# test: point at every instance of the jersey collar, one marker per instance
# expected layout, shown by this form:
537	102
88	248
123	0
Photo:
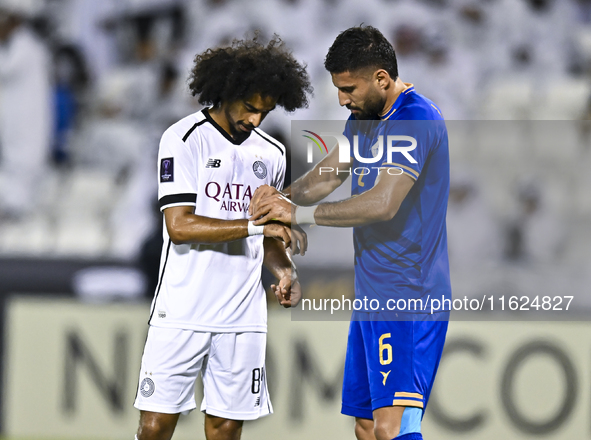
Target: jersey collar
409	88
223	132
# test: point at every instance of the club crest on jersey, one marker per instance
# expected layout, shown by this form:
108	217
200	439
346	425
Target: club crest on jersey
260	169
147	387
167	169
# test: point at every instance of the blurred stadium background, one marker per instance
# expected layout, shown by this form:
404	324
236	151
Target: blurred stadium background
88	86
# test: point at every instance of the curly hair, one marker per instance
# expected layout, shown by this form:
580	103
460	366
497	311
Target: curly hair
361	47
247	67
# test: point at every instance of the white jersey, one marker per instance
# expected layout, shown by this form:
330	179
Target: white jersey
213	287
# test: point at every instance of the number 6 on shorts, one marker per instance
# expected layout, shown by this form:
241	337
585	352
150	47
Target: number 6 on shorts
385	347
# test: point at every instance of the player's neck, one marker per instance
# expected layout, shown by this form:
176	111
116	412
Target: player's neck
218	115
398	86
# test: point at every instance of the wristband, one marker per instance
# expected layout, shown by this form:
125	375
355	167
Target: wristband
305	215
255	230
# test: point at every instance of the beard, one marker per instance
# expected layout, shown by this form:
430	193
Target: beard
235	132
372	107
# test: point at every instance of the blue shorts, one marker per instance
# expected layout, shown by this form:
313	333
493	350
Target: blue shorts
390	363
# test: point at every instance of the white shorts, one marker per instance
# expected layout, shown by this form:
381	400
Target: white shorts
231	364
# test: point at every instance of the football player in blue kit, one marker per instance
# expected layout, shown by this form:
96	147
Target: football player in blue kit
397	211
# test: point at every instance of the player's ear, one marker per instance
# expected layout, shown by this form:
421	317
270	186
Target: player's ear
382	77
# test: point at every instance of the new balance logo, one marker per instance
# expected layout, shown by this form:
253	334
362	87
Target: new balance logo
213	163
258	402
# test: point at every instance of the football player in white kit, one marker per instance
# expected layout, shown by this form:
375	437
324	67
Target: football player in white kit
209	313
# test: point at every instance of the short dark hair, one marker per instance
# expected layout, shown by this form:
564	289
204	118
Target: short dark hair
361	47
248	67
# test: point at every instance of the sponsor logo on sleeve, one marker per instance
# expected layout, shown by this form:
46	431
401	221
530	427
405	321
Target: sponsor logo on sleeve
167	169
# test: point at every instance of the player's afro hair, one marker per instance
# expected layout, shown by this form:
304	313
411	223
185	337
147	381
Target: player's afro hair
359	48
247	67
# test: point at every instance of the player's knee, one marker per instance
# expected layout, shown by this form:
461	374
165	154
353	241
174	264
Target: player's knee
363	429
154	431
386	430
156	428
218	427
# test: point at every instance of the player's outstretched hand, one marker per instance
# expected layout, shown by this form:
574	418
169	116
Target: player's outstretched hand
288	292
278	231
299	240
260	193
275	207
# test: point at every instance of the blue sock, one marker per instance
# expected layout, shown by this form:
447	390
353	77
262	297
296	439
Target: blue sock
411	436
410	422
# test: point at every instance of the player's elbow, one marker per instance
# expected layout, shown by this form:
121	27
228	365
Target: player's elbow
177	235
386	212
179	221
385	215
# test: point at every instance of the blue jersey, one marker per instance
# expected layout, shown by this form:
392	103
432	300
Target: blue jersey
405	257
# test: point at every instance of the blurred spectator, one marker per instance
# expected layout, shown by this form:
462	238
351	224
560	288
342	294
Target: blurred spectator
408	40
109	138
71	81
533	49
443	63
148	35
25	108
473	236
583	11
478	30
119	148
535	234
406	29
172	100
581	29
80	23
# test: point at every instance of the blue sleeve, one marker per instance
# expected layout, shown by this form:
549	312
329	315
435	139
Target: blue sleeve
348	133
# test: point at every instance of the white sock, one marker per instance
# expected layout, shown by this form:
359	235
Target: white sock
136	437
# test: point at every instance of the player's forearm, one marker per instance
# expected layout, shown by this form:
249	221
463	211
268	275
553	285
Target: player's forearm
326	176
277	259
380	203
196	229
313	187
358	211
